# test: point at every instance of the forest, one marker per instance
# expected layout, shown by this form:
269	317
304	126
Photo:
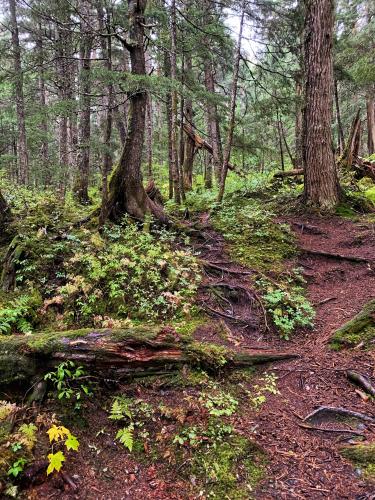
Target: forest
187	249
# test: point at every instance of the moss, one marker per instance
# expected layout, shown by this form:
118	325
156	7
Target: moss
362	456
231	469
187	328
360	329
208	354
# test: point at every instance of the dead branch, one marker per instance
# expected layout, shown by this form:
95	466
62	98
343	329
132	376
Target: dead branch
338	256
329	411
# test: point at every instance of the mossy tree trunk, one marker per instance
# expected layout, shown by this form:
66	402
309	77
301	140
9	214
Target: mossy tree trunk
126	190
117	354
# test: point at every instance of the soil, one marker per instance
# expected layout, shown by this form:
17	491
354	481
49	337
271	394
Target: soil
302	463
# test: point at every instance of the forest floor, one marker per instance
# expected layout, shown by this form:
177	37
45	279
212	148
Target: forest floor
301	463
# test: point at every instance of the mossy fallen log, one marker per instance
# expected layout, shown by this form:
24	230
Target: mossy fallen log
359	331
117	354
363	457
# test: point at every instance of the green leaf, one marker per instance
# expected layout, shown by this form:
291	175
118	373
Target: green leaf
72	443
55	461
125	436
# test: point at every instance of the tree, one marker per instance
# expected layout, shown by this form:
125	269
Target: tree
23	157
126	191
232	111
321	182
84	131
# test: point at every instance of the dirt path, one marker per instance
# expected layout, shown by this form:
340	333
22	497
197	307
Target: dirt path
305	463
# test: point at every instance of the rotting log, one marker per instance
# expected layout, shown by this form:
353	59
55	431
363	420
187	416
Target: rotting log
361	381
118	354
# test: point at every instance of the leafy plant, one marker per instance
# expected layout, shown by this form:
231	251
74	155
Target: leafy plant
17	467
258	394
60	436
217	402
288	306
17	314
68	381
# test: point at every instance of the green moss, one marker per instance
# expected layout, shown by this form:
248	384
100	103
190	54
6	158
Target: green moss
231	469
208	354
187	328
361	329
362	456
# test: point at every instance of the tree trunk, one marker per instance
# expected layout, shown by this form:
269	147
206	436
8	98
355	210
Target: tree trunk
104	19
5	215
149	137
189	143
81	184
232	113
280	140
118	354
321	182
213	127
370	106
22	154
340	132
43	108
174	99
126	191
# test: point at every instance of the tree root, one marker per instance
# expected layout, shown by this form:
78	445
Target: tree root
338	256
324	412
362	381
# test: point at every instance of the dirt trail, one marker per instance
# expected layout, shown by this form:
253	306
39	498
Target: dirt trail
305	463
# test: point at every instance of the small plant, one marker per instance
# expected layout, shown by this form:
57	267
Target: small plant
258	397
288	306
68	381
60	436
17	315
17	467
135	413
217	402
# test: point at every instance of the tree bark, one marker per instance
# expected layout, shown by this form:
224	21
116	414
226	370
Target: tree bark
81	184
321	181
370	107
189	143
232	113
118	354
298	122
22	153
126	191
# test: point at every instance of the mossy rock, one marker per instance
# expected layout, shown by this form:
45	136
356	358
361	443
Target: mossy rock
232	469
362	456
360	329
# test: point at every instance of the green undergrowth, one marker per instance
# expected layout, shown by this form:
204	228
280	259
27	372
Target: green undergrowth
363	457
86	278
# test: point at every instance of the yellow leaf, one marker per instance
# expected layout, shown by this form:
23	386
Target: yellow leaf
56	433
55	461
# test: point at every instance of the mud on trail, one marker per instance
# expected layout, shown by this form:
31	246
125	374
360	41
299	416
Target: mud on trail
303	459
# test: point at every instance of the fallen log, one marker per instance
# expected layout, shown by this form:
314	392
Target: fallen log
289	173
118	354
327	413
362	381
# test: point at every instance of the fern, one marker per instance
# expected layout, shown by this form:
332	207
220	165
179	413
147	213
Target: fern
126	436
15	315
120	409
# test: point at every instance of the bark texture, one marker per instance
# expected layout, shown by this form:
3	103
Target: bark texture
321	182
370	107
